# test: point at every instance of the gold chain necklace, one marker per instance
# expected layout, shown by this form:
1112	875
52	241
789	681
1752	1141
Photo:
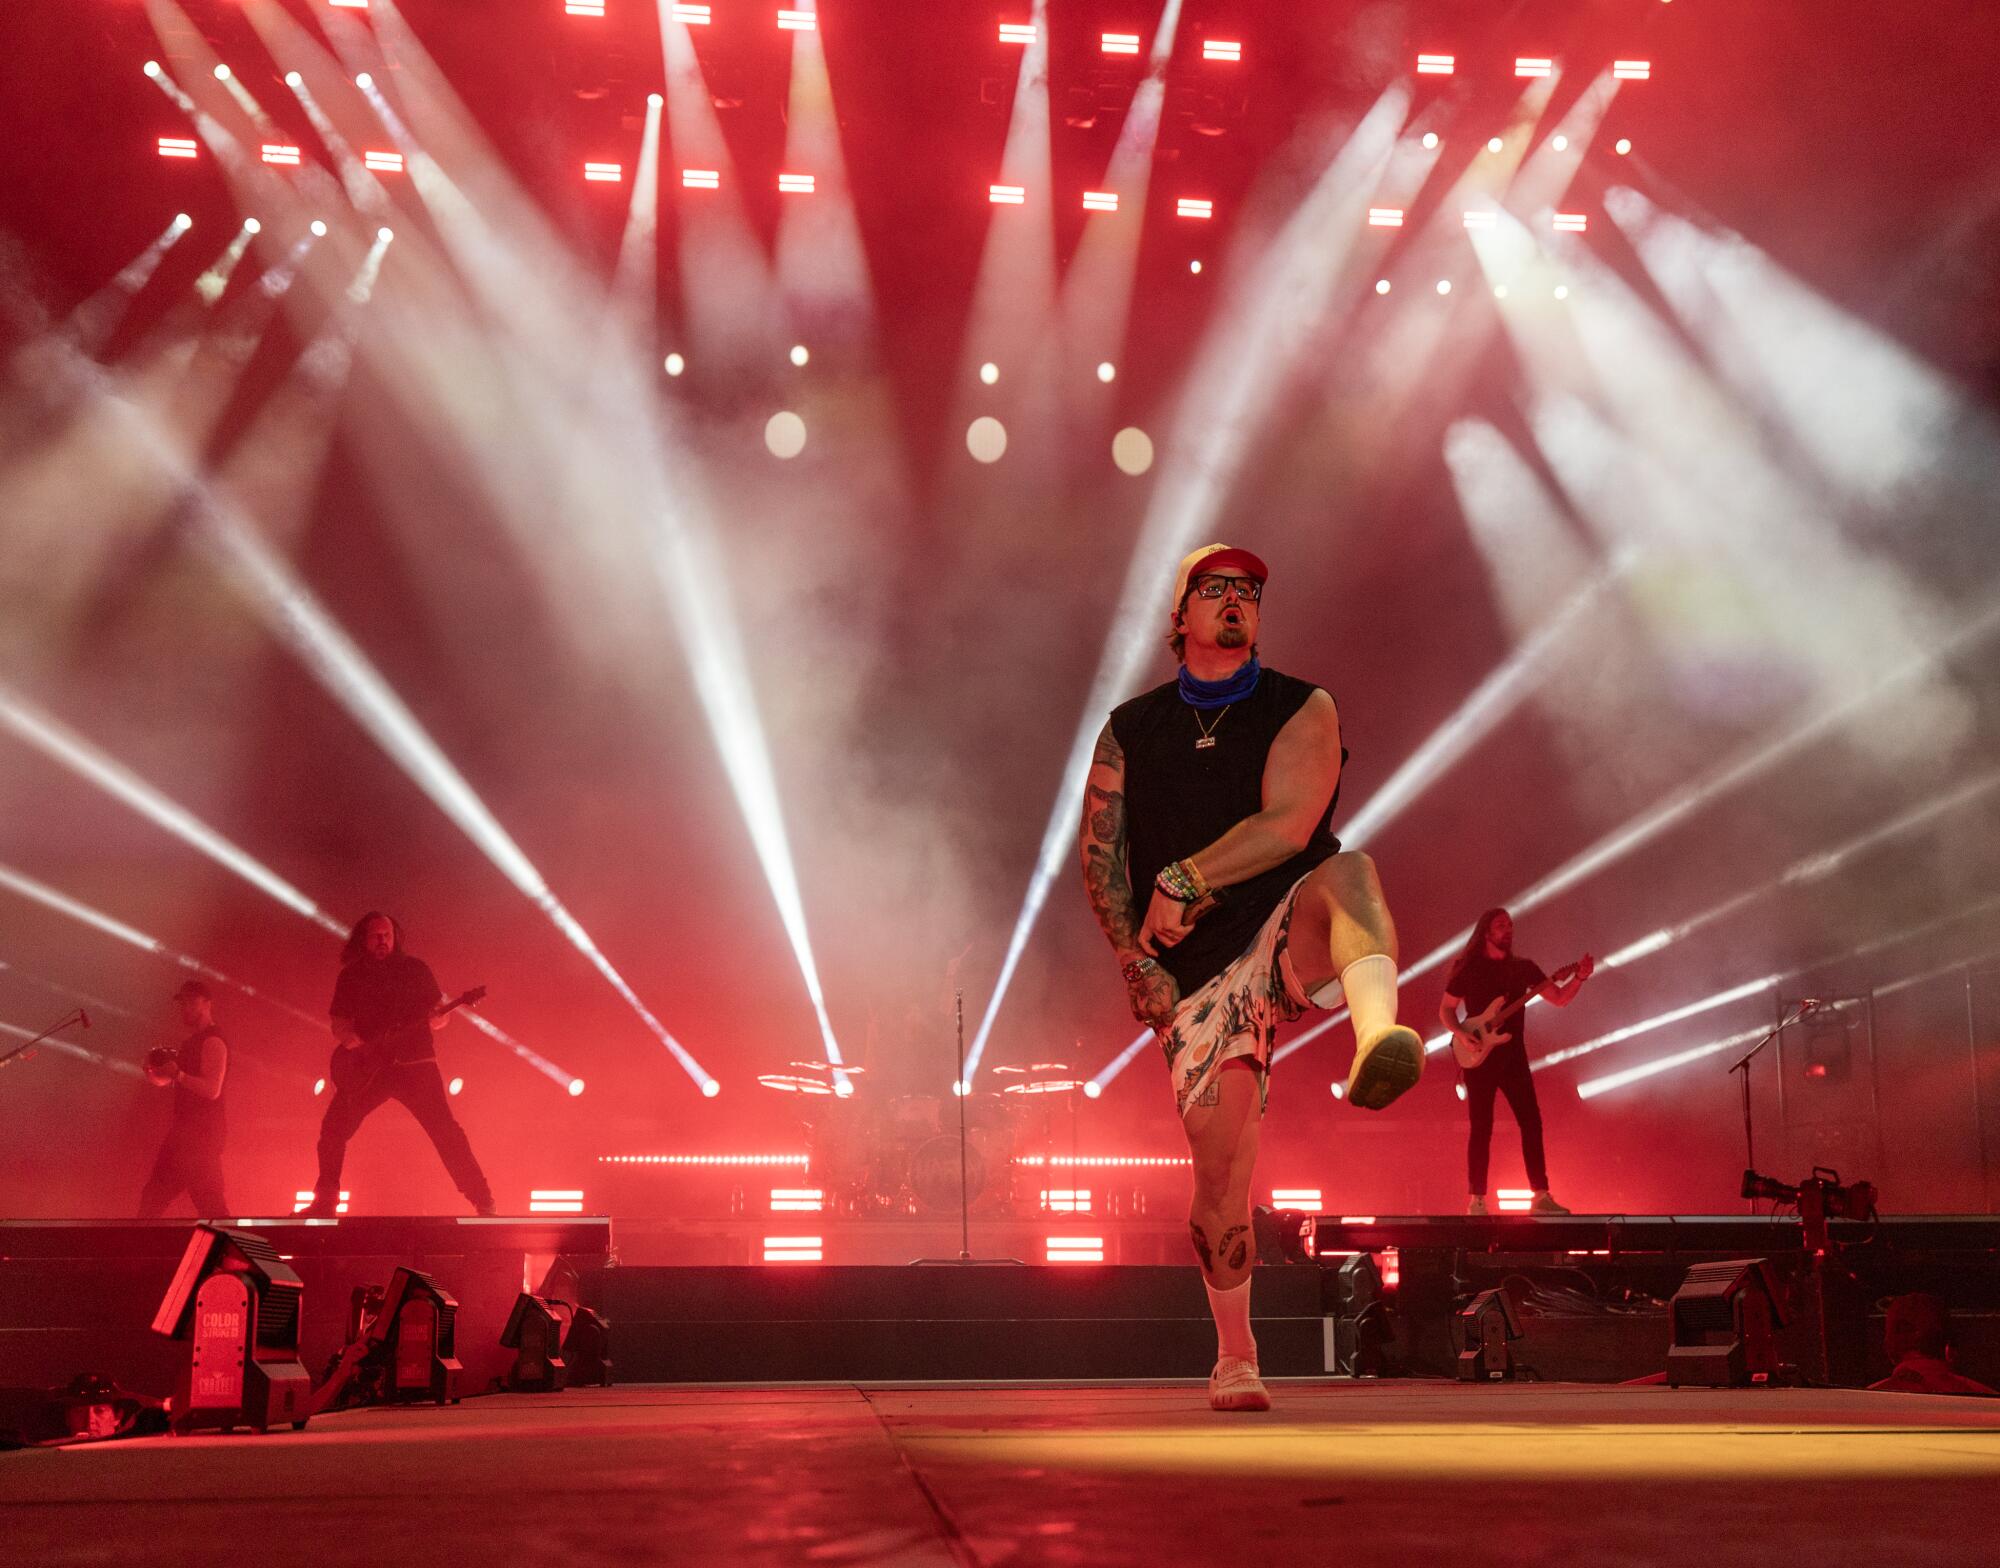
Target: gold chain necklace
1208	730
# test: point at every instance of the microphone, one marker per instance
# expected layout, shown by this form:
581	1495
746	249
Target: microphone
1810	1004
83	1018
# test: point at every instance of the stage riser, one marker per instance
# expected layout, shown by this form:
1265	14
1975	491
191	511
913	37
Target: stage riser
819	1323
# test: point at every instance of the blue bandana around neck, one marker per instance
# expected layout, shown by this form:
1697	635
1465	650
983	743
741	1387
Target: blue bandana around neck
1220	694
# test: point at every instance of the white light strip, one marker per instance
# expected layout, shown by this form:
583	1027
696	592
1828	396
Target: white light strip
1632	70
1385	217
1017	32
604	173
1218	49
1100	201
1194	207
709	1161
1007	195
1436	64
1121	43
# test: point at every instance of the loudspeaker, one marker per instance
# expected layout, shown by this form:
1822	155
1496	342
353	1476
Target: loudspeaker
237	1305
1725	1319
534	1332
1486	1328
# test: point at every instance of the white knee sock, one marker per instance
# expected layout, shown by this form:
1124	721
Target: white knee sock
1370	984
1232	1320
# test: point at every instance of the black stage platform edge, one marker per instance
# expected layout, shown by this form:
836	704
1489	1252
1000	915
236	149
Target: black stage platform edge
79	1296
1747	1234
819	1323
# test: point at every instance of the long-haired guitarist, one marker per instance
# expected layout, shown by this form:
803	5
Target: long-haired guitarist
1493	985
385	1009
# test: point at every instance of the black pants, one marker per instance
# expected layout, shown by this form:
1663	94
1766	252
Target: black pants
1504	1072
420	1087
191	1164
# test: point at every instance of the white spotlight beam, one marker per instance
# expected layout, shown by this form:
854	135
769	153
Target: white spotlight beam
822	264
1240	371
69	993
65	746
93	321
298	620
49	898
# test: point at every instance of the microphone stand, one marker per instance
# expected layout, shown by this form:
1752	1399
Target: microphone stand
961	1090
1743	1066
26	1048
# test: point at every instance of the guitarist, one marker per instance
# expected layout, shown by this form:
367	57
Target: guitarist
1486	972
385	1004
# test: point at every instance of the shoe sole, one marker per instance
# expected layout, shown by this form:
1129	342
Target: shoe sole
1386	1070
1242	1399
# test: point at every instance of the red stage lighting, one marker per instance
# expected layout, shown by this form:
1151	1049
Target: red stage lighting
701	179
1074	1249
604	173
1217	49
1017	32
1385	217
793	1249
1194	207
1632	70
1121	43
1527	65
177	147
1571	222
1436	64
1007	195
797	22
796	184
383	162
275	153
555	1200
1100	201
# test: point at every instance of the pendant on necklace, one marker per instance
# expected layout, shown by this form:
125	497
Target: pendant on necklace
1204	743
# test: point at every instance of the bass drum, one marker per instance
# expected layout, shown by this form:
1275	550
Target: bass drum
934	1175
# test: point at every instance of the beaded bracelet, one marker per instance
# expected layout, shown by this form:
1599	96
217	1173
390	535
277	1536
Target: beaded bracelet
1182	881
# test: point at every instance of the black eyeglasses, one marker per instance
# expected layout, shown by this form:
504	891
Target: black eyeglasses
1215	587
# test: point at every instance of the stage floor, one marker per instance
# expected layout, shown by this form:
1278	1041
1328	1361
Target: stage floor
1405	1472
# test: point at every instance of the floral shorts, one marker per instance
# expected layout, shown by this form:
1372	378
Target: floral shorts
1238	1013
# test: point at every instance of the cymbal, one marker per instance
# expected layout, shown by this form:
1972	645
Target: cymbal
1044	1086
789	1083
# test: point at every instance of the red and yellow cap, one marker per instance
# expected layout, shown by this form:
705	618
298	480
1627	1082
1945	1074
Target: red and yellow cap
1213	558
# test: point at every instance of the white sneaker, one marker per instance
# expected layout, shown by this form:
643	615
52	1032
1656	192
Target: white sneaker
1385	1067
1235	1385
1475	1207
1544	1204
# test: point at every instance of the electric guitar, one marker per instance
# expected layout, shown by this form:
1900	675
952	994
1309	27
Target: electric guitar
1483	1032
354	1069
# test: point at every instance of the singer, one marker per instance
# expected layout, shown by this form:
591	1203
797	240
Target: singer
191	1158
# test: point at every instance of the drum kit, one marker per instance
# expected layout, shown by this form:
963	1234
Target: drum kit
880	1156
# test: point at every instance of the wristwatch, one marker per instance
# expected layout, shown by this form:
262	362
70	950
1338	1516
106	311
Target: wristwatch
1137	967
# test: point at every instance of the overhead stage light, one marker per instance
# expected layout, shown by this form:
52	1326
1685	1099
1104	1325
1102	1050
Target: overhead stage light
349	5
1623	147
674	364
1382	285
656	101
692	15
796	184
1017	32
1560	143
785	435
222	72
456	1086
183	222
383	162
1444	285
1571	222
989	372
799	355
1436	64
1632	70
701	179
385	235
1430	141
152	69
1195	268
1194	207
604	173
294	79
1121	43
986	439
1562	291
1528	65
252	226
584	7
1482	218
365	82
1494	144
710	1089
1218	49
575	1087
177	147
1106	371
797	22
1132	452
318	229
1007	195
1385	217
275	152
1100	201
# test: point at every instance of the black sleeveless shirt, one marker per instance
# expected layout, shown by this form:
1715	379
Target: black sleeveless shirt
1180	799
195	1115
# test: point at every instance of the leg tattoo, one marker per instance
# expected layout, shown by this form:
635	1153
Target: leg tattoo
1200	1239
1235	1257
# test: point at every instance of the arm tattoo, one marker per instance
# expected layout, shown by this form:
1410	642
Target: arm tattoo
1106	874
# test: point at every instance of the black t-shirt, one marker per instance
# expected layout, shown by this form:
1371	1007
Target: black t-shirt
1481	979
389	997
1180	799
196	1115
